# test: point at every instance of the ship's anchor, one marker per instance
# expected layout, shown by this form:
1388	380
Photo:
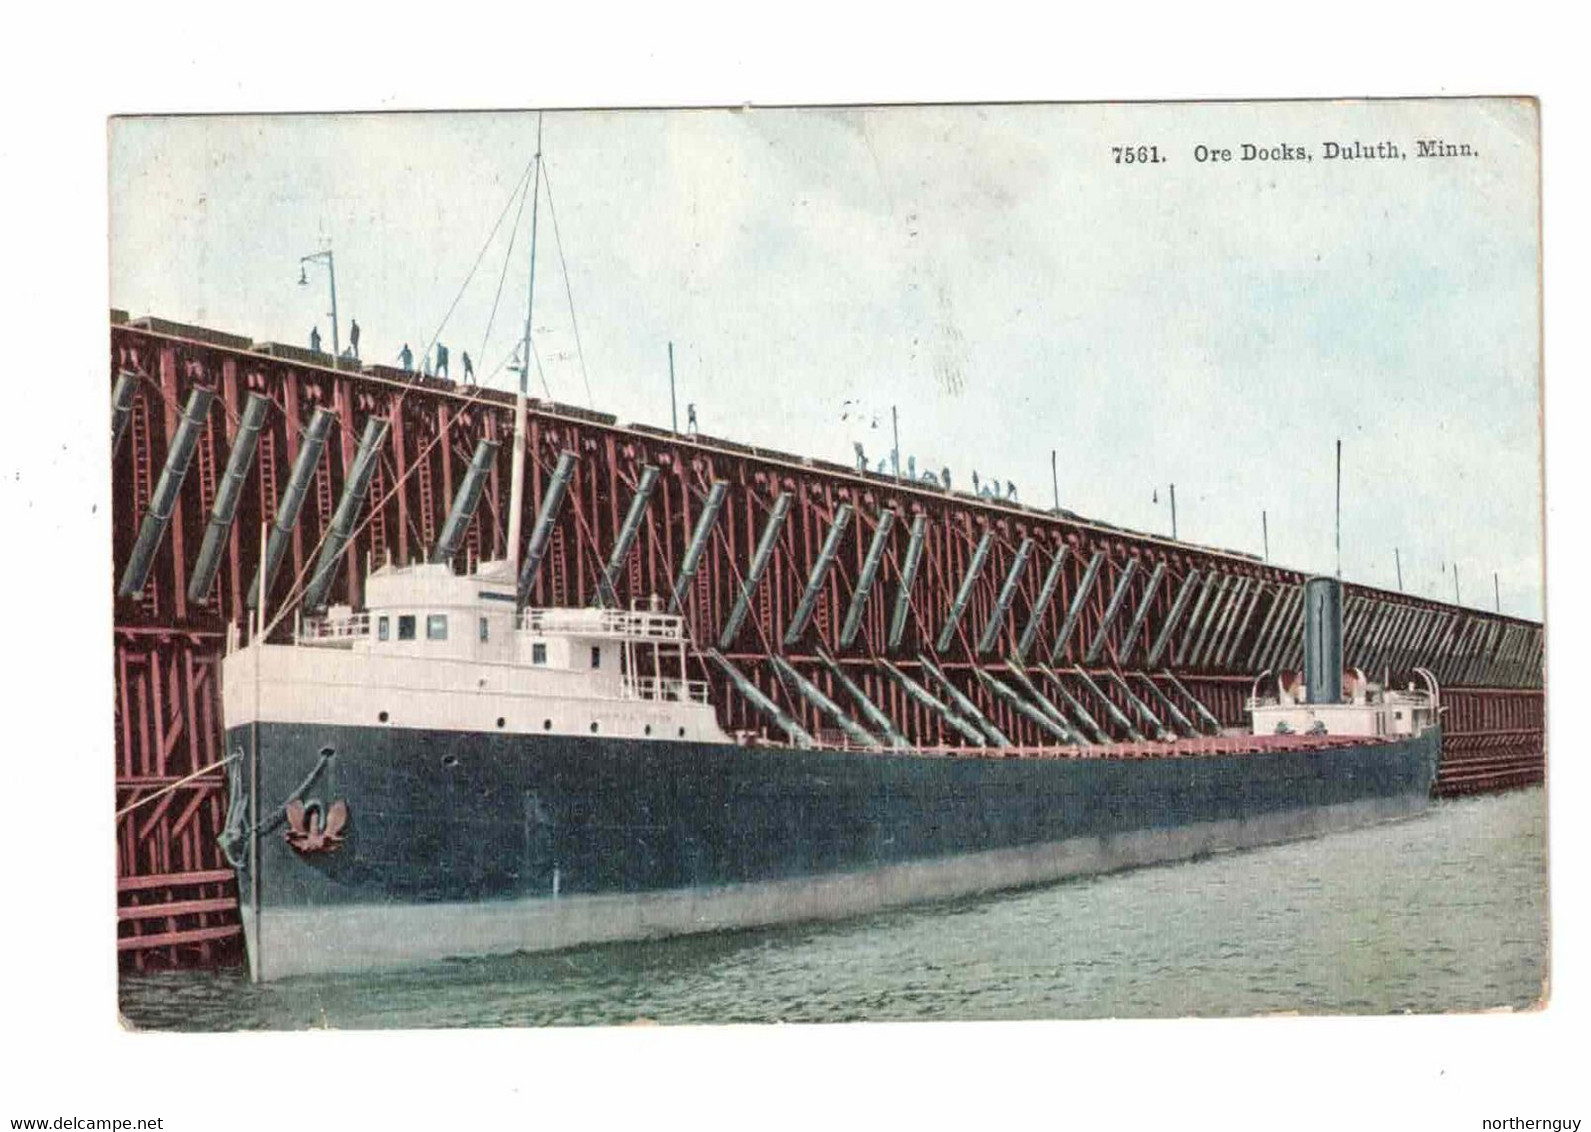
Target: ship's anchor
311	829
324	835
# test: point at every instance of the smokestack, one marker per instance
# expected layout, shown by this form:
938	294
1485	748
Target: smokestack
1323	640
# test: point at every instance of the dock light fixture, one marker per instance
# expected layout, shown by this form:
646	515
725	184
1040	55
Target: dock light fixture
331	270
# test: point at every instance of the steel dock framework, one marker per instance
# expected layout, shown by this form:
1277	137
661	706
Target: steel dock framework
829	604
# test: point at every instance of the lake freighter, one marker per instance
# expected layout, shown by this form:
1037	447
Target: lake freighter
445	774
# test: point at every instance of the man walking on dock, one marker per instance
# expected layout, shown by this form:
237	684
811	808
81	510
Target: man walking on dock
469	368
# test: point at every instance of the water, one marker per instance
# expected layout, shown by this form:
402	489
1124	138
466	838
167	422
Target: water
1447	911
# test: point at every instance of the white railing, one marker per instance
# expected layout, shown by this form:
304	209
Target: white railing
630	624
666	688
341	630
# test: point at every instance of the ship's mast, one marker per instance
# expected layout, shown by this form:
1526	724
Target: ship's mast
516	497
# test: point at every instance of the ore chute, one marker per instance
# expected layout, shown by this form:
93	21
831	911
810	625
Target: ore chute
1178	604
1129	640
1202	622
607	591
1170	707
1036	614
1195	616
1007	594
755	695
227	495
923	696
1222	625
1281	633
874	715
698	545
1118	717
759	563
1235	638
1212	725
1045	704
1075	610
1112	608
465	501
818	699
964	704
820	571
908	574
1145	712
347	513
1272	615
546	519
169	487
1004	692
292	502
865	580
964	592
1081	712
121	400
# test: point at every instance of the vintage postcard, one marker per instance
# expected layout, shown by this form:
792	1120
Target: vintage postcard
813	564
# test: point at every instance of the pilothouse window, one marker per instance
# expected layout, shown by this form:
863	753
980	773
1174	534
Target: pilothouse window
406	627
436	627
486	629
596	656
538	653
383	628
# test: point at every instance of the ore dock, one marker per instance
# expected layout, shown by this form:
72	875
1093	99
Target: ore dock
865	586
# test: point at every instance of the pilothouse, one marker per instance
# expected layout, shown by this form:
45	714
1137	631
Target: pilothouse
434	647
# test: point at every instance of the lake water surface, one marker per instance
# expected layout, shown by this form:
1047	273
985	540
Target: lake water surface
1447	911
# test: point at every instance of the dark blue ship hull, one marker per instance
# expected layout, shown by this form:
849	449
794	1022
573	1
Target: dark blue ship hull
468	843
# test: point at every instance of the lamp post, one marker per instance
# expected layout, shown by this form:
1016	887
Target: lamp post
673	402
331	270
894	454
1339	508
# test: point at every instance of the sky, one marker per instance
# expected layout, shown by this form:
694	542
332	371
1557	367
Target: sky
990	273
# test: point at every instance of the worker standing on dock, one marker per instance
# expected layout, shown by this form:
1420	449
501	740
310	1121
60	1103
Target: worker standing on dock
469	368
353	337
314	339
441	360
406	358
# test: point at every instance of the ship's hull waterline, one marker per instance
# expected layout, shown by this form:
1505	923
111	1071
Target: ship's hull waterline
463	843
